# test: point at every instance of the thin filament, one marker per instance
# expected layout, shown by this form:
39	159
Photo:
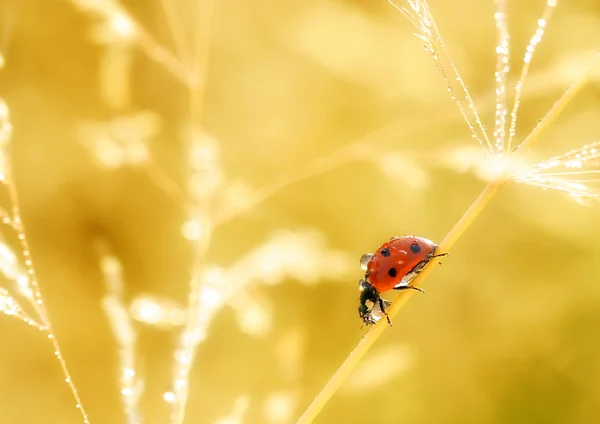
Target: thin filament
502	70
535	40
420	15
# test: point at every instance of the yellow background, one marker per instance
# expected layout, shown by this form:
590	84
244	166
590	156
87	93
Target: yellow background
508	329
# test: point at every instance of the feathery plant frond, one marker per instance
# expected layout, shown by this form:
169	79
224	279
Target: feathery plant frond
535	40
502	70
419	14
300	255
116	27
506	160
124	332
576	173
20	271
10	306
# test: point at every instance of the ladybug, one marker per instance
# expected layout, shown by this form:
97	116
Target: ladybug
392	267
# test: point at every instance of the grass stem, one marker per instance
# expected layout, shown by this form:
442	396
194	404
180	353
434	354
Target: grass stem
367	341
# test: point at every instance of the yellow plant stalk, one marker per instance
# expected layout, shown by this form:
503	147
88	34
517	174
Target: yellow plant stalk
558	106
367	341
467	219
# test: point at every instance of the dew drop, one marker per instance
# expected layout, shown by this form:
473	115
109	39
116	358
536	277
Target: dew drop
365	259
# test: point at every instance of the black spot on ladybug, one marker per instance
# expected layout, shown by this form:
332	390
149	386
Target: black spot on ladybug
392	272
415	248
385	252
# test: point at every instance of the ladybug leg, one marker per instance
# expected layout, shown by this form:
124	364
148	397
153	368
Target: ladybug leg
365	314
382	307
440	256
407	287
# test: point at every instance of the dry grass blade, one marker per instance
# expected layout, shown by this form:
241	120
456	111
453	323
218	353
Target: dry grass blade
204	300
118	26
174	19
202	27
123	331
166	59
346	154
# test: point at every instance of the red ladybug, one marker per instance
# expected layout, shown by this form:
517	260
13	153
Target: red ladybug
393	266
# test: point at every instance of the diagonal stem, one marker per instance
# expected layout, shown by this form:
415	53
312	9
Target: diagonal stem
367	341
559	105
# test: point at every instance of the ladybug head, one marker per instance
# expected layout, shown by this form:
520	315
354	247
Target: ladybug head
367	293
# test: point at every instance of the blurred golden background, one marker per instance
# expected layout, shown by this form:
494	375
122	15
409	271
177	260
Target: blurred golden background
508	329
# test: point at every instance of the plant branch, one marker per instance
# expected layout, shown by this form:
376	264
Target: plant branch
37	301
559	105
367	341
